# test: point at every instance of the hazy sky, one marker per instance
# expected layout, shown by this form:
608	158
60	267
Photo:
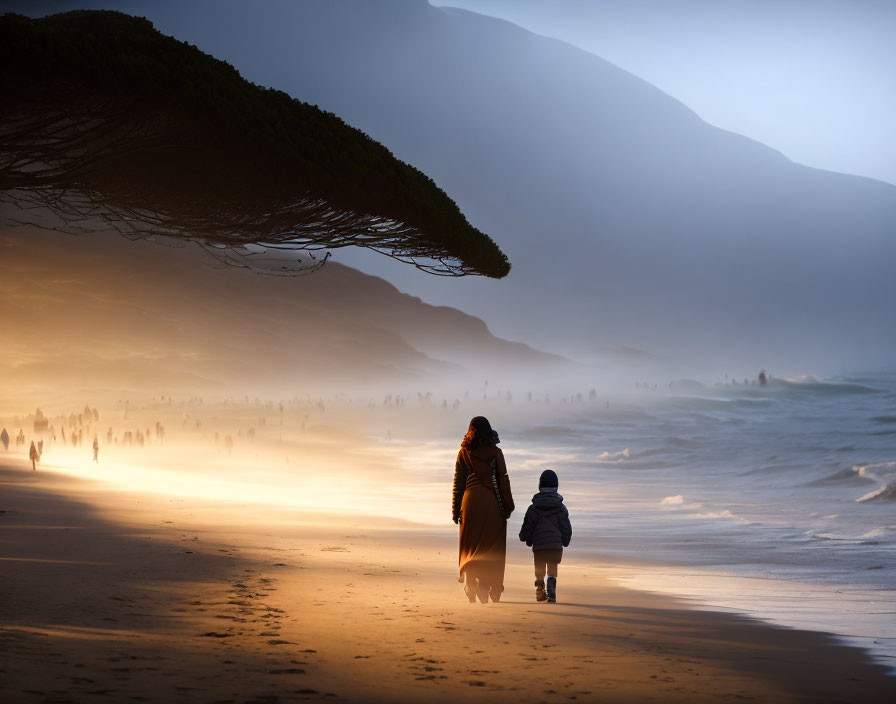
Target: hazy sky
815	79
629	221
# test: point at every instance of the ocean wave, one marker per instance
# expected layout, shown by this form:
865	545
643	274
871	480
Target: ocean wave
881	472
885	532
884	419
730	399
815	386
724	514
848	475
676	500
706	403
876	471
781	468
849	539
882	493
607	456
875	536
884	473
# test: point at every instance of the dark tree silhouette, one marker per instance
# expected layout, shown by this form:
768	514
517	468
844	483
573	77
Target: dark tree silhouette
105	123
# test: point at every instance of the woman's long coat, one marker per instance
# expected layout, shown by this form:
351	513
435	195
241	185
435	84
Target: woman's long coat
483	529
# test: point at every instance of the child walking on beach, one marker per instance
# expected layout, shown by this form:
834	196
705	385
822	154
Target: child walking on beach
546	528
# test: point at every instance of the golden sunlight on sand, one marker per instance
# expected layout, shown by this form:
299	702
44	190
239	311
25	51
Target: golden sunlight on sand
209	590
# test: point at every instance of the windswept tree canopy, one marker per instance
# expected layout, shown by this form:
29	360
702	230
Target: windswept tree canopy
108	124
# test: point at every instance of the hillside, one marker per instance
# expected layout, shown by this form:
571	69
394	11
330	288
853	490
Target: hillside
101	312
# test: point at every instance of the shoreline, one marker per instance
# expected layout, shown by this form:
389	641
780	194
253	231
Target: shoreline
201	600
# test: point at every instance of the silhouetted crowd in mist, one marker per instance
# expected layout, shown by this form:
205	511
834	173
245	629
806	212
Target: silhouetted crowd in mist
73	431
79	428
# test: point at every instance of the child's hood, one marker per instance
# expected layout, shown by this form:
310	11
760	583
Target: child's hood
545	500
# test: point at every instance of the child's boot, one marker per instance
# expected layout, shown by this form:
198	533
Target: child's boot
539	591
552	590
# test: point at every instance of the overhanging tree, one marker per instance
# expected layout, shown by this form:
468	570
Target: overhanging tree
105	123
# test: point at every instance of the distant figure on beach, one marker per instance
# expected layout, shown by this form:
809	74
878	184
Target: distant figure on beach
96	449
34	456
763	380
4	438
41	424
547	530
481	504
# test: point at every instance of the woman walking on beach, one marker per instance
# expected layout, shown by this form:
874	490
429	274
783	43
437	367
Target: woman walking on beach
481	504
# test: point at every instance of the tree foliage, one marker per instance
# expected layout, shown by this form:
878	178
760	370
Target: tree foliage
110	124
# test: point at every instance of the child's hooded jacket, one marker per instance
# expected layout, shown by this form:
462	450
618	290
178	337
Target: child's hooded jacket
546	525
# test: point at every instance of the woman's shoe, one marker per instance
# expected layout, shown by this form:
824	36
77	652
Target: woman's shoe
539	591
470	590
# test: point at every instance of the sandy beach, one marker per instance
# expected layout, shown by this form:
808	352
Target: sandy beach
122	596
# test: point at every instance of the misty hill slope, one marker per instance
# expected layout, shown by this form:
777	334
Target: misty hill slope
101	310
629	220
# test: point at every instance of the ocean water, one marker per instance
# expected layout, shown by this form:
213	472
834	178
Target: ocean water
777	501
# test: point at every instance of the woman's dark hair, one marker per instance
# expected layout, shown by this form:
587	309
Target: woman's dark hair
479	434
